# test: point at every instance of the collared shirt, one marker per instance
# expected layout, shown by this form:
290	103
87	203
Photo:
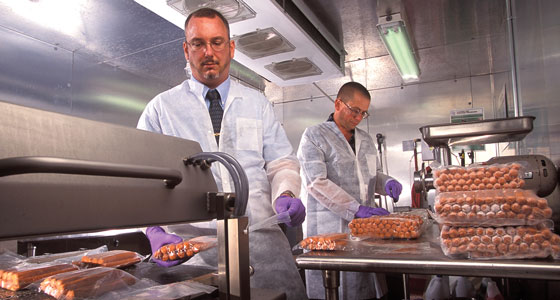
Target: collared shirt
223	89
352	141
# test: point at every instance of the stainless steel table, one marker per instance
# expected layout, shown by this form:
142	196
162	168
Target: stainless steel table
421	256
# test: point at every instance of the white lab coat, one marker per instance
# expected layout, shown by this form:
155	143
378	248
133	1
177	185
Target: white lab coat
335	182
256	139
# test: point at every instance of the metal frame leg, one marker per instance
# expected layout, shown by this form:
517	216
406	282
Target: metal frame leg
331	282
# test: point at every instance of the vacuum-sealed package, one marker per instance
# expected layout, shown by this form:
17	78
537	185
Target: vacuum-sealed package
114	259
20	276
491	208
186	248
510	242
392	226
86	283
478	177
329	242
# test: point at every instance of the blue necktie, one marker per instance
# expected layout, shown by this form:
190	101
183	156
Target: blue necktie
216	112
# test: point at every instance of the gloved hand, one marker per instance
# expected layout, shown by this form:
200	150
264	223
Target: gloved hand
158	237
295	209
393	188
366	211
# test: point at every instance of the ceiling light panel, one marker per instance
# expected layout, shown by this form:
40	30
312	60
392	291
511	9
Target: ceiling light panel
261	43
233	10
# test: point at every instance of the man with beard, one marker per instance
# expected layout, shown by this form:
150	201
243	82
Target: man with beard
222	115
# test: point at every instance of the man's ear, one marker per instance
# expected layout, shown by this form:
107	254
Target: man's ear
186	50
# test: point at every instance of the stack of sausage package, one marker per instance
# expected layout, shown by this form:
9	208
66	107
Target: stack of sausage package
487	215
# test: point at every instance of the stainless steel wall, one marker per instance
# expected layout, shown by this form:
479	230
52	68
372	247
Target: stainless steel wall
41	75
538	33
398	111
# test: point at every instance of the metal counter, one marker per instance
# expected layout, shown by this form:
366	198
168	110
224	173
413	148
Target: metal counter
424	256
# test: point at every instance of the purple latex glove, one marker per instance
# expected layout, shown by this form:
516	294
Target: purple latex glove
295	209
366	211
158	237
393	188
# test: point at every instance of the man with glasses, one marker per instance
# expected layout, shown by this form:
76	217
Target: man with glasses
223	115
338	161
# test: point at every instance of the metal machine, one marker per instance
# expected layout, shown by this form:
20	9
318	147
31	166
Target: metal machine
64	175
540	173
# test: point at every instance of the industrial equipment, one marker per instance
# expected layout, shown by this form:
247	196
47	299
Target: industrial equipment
63	175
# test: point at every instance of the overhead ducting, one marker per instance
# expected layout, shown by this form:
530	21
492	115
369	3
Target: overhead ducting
281	40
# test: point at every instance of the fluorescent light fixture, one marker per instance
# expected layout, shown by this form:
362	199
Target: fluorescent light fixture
64	16
393	33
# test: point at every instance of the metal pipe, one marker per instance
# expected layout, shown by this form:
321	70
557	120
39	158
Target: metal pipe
513	58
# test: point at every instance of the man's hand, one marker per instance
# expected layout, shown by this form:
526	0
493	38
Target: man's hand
158	238
293	206
366	212
393	188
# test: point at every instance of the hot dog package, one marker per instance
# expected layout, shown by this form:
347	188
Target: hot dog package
86	283
510	242
186	248
326	242
491	208
113	258
19	277
478	177
392	226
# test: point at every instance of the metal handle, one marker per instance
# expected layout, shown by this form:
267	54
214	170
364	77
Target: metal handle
43	164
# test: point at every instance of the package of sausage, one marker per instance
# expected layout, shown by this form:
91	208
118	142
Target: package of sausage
510	242
186	248
19	277
392	226
478	177
86	283
491	208
325	242
113	258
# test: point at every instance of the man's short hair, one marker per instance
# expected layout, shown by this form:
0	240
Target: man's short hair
346	92
207	13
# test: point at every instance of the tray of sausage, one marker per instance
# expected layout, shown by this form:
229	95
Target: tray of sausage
491	208
478	177
511	242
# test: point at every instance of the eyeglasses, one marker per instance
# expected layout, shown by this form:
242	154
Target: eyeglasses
356	111
216	44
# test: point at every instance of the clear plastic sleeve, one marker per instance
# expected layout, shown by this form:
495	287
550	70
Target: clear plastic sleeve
510	242
113	258
177	290
269	222
186	248
328	242
479	177
491	208
392	226
86	283
20	276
